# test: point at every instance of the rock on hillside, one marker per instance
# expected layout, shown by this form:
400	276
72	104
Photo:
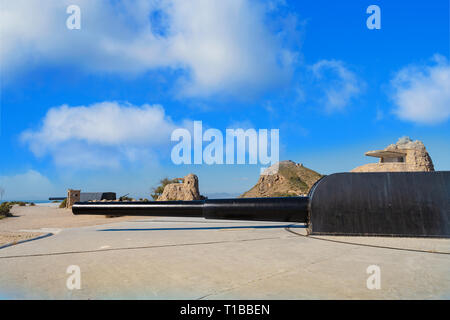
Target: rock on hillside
188	190
292	179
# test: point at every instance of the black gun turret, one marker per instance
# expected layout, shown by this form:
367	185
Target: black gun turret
382	203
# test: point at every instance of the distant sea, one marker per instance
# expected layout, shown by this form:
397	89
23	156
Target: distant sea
35	201
221	195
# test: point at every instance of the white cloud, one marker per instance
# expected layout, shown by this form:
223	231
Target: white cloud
422	93
220	46
101	135
339	85
30	185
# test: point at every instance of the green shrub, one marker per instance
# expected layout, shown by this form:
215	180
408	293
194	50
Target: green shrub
5	208
297	182
20	203
160	189
63	203
32	204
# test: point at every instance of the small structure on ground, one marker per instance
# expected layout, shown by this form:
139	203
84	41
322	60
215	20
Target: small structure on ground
77	196
187	190
97	196
405	155
72	197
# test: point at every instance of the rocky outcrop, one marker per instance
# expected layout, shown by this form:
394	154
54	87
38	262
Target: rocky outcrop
187	190
405	155
285	178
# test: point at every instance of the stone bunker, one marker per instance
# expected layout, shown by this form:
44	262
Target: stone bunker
405	155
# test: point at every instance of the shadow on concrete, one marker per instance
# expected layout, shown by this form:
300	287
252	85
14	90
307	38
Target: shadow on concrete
208	228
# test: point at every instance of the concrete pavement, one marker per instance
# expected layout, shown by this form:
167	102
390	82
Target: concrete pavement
193	258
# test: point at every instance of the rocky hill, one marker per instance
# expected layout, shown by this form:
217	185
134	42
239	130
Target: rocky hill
292	179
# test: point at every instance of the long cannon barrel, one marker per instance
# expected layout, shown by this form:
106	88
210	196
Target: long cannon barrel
291	209
140	208
370	203
56	198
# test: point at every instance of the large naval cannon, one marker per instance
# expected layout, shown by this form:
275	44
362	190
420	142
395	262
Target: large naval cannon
415	204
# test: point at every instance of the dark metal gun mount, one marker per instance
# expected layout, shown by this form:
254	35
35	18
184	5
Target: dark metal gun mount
371	203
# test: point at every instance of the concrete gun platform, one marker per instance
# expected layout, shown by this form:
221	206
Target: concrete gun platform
193	258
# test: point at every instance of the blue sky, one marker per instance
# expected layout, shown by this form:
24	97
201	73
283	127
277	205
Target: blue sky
94	108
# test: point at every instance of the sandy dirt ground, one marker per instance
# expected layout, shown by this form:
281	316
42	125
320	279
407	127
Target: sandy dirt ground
15	237
30	222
